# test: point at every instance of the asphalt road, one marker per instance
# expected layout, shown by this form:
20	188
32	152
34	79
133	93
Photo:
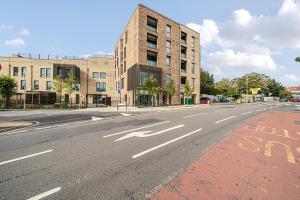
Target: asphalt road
127	157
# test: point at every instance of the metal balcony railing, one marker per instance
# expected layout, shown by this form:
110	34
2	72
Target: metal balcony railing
151	45
152	63
152	29
183	55
183	41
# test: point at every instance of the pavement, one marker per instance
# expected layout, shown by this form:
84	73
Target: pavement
128	155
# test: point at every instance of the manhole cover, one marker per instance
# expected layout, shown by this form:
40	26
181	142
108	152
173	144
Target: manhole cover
11	124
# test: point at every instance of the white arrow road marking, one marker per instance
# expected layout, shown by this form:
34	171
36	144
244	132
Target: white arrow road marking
144	133
125	114
45	194
29	156
96	118
135	129
164	144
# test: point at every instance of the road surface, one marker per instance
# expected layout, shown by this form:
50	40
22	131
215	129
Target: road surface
128	156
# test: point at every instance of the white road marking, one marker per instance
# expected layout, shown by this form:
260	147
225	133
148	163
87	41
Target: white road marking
45	194
24	157
164	144
245	113
193	115
125	114
259	110
219	110
144	133
96	118
135	129
225	119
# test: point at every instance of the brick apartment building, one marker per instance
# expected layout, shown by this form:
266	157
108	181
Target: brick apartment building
34	76
152	44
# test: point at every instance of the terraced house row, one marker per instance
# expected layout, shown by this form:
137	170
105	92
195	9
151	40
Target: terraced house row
151	44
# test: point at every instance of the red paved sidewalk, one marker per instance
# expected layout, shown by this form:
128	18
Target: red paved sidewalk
259	160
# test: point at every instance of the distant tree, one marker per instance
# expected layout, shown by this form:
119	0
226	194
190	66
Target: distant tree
226	87
207	82
8	87
171	89
152	87
285	94
70	85
252	80
297	59
58	86
275	87
187	90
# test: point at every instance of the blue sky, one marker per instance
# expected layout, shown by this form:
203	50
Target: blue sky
237	36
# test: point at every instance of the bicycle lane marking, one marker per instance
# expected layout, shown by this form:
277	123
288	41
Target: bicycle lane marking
258	160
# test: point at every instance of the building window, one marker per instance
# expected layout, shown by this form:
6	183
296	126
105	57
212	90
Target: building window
124	66
193	55
126	37
101	86
193	41
168	78
43	73
193	82
121	43
102	75
48	85
23	85
16	71
193	68
168	31
125	53
168	48
95	74
121	69
36	85
48	72
168	62
23	71
122	83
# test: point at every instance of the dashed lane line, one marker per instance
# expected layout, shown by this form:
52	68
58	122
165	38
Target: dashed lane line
194	115
164	144
45	194
24	157
225	119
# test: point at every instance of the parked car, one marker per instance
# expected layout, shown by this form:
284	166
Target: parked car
205	100
294	100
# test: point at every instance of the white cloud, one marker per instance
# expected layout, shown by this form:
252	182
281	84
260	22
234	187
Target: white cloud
292	78
4	27
242	17
14	42
249	60
209	31
24	31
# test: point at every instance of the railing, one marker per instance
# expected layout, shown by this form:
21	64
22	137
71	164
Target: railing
183	55
152	29
151	45
151	62
183	70
183	41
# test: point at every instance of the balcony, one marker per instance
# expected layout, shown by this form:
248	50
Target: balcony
183	70
183	42
183	55
152	29
151	45
152	63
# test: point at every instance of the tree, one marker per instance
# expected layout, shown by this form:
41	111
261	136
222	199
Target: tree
207	82
226	87
70	85
297	59
152	87
252	80
187	90
8	87
285	94
275	87
58	85
171	89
